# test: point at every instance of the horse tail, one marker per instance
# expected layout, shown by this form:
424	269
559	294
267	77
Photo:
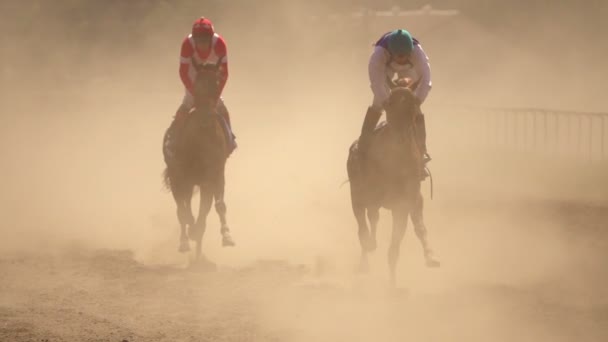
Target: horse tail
353	163
344	183
166	178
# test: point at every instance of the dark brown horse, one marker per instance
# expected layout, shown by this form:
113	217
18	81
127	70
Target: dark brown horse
389	177
198	160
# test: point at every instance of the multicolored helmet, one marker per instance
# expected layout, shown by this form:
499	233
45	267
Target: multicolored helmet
400	42
202	27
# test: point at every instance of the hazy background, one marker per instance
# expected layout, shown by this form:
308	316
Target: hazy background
88	88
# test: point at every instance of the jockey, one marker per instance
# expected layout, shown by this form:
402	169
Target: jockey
397	53
200	48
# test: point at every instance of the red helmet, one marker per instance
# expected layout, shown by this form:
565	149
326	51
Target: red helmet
202	27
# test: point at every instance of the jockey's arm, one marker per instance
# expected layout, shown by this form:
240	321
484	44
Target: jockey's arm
377	76
185	58
423	69
222	53
223	76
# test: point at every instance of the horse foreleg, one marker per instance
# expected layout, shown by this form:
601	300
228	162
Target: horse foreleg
184	244
182	195
201	220
220	208
359	209
399	227
373	215
421	232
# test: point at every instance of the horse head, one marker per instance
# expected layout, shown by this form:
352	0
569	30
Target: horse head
401	110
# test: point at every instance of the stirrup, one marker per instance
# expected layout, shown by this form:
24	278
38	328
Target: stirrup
424	174
426	158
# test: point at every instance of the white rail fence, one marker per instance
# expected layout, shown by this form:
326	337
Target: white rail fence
571	134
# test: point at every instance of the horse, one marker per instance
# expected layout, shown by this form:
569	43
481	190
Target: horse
198	160
389	176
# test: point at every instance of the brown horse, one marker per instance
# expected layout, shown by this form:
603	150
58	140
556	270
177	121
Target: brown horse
198	159
389	177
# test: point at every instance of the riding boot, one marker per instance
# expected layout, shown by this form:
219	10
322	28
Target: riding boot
372	116
227	126
421	140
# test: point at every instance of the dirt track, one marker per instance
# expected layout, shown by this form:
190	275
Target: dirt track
544	283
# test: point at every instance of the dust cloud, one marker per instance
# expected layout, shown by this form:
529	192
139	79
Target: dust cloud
89	236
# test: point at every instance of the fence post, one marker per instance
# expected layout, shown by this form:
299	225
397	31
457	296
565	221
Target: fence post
496	128
546	132
557	149
534	131
579	134
525	144
568	136
590	137
506	128
602	138
516	137
488	126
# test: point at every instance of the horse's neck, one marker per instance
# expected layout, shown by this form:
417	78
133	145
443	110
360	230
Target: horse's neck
205	121
396	143
405	131
203	137
203	109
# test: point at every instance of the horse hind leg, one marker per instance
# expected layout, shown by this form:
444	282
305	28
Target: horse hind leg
359	210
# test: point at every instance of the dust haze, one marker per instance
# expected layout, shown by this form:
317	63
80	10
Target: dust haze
89	235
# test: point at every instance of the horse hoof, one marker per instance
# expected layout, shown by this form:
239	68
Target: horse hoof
372	245
184	247
203	265
432	263
363	268
227	241
398	292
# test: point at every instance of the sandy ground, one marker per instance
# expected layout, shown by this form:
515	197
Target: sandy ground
504	278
